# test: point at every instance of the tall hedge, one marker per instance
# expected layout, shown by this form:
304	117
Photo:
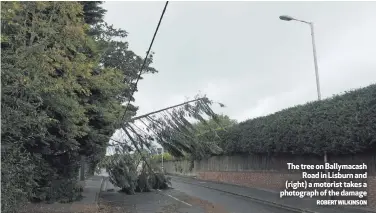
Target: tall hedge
342	124
61	95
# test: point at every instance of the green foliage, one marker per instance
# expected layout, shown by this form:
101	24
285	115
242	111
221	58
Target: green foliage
207	135
122	170
17	178
41	112
151	176
343	124
155	180
195	140
172	129
131	174
166	157
222	122
61	96
93	12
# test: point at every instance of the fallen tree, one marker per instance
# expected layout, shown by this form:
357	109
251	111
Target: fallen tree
171	129
130	173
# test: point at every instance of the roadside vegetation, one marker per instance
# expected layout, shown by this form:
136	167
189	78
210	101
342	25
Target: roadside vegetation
343	124
65	74
166	157
133	174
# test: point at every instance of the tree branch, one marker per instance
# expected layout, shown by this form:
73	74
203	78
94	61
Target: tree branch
167	108
139	151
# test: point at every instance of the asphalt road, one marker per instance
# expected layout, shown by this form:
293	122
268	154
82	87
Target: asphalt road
182	198
229	202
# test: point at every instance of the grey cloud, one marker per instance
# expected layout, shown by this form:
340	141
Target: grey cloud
241	54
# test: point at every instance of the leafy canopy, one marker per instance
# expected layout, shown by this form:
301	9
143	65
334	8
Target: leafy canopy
64	78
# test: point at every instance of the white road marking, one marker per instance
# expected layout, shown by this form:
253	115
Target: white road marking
175	198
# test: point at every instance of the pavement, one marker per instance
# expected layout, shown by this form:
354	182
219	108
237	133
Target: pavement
92	189
88	204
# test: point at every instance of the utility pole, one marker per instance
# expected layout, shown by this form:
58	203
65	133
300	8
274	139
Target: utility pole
162	160
289	18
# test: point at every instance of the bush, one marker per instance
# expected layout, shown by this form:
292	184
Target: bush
340	125
61	95
17	178
166	157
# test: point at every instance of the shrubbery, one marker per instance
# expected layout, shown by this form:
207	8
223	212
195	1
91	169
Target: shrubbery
61	95
17	178
166	157
342	124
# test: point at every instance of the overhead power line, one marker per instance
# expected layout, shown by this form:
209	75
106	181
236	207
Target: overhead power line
145	59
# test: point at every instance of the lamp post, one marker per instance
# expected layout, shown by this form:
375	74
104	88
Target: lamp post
289	18
162	160
160	152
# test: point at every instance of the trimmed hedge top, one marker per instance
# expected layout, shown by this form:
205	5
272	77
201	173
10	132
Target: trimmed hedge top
342	124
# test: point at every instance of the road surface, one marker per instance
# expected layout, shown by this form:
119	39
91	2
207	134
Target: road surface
229	202
182	198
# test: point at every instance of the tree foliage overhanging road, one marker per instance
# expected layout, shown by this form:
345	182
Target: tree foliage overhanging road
65	75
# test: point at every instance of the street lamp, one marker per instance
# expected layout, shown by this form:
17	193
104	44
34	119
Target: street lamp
162	160
286	18
289	18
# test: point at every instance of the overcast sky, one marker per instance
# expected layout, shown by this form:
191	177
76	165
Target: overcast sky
242	55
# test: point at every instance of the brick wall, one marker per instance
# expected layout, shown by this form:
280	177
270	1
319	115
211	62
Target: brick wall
266	172
256	179
272	181
372	192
